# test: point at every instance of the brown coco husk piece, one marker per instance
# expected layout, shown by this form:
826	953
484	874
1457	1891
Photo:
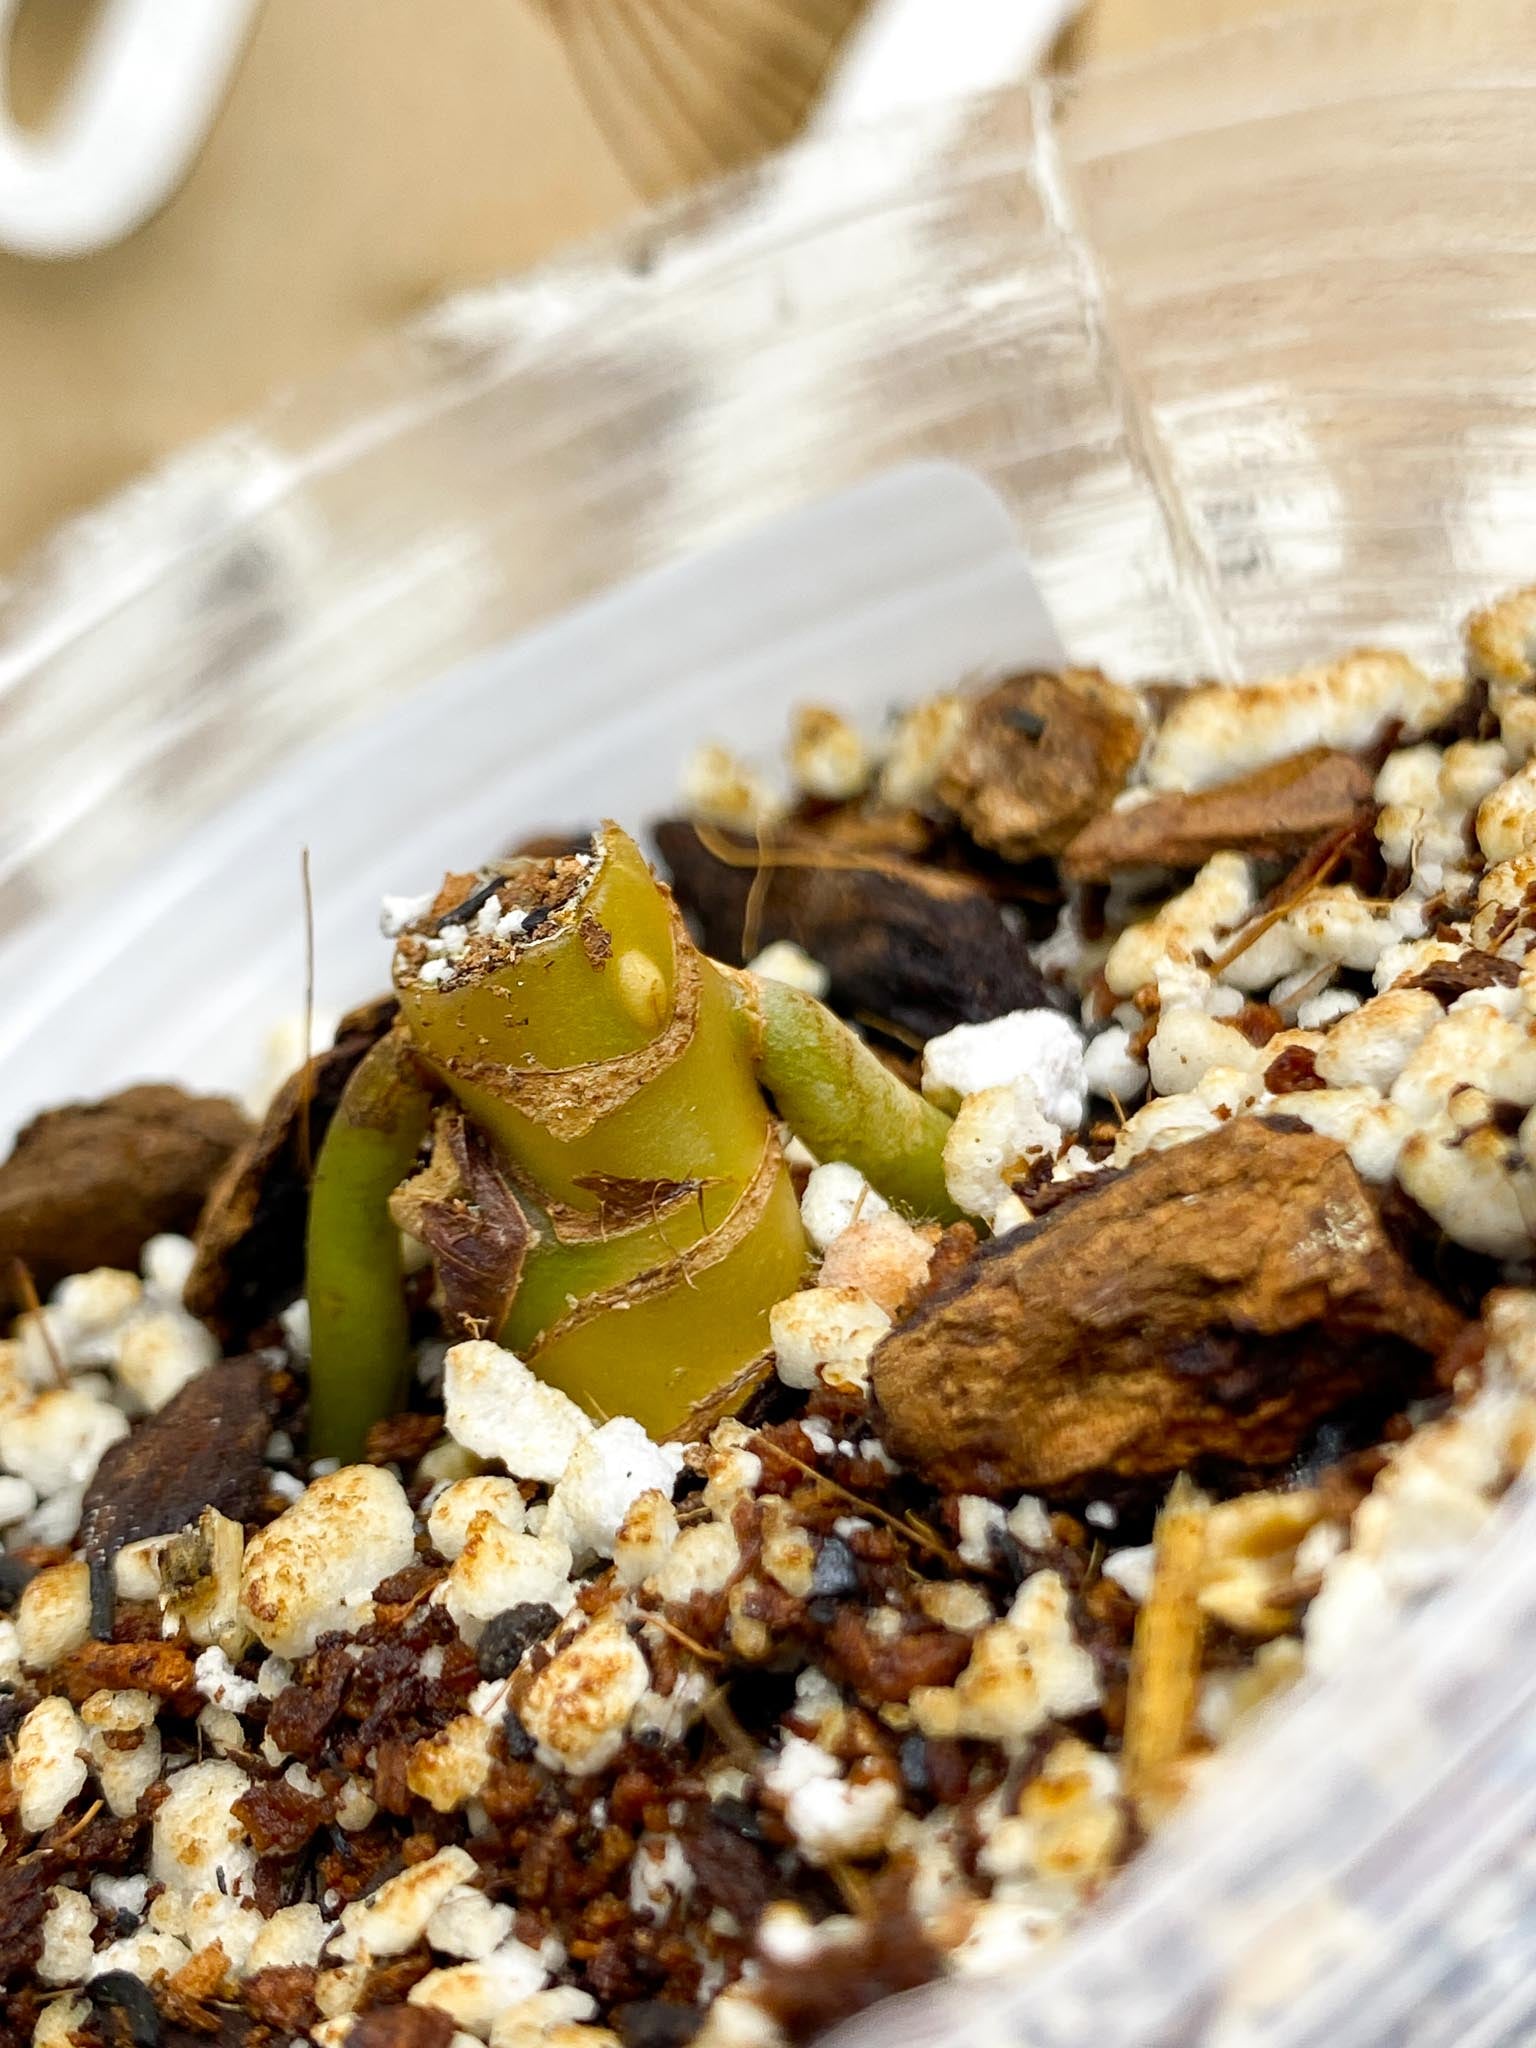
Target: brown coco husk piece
87	1185
1214	1301
1039	756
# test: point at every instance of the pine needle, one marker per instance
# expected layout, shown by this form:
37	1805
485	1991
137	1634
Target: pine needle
914	1532
1311	874
729	854
685	1642
79	1826
26	1287
752	913
76	1828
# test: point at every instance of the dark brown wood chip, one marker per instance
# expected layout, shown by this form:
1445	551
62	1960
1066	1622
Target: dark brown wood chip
914	947
203	1449
283	1997
891	1668
1216	1300
733	1867
1277	812
280	1819
1293	1071
1448	979
302	1713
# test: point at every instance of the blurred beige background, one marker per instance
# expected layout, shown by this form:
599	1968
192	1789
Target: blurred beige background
371	155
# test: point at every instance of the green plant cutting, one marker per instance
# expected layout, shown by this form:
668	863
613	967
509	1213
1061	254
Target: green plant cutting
572	1115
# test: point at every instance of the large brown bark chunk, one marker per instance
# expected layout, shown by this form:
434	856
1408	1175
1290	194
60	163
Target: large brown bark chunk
1277	812
1215	1301
913	946
1039	756
250	1239
88	1184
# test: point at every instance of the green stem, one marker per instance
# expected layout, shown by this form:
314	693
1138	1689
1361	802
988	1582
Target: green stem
359	1339
838	1098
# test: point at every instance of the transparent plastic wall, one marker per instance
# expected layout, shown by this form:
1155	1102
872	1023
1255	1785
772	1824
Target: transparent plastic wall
1246	340
1244	336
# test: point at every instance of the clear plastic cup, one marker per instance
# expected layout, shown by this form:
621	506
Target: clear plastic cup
1242	339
